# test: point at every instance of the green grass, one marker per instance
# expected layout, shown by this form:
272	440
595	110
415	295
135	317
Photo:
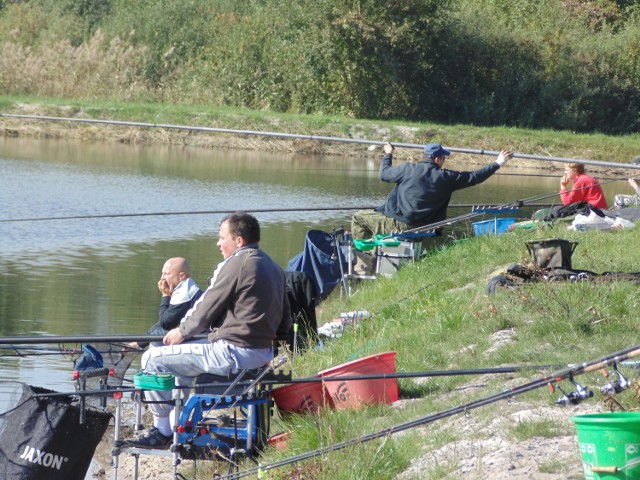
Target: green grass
537	428
435	315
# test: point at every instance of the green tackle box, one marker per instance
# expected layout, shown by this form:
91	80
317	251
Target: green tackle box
154	381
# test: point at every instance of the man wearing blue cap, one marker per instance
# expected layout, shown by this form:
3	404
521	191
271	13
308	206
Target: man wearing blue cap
422	192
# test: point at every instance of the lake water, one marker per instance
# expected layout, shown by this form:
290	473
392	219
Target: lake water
90	276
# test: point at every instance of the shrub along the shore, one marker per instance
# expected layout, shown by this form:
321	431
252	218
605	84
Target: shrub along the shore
532	64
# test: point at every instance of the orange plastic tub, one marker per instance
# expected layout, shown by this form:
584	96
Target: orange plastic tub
353	393
307	397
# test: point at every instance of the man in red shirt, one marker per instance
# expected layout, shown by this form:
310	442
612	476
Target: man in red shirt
584	189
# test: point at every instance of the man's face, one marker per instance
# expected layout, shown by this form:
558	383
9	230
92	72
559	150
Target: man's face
226	242
171	274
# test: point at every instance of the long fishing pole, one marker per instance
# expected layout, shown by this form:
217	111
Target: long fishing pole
216	212
43	339
107	392
556	377
312	137
193	212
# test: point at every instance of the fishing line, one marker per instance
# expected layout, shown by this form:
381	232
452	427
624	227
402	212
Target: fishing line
311	137
258	210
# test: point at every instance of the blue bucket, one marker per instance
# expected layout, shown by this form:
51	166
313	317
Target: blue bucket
493	227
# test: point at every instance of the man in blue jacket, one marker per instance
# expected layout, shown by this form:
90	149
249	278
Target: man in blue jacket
422	192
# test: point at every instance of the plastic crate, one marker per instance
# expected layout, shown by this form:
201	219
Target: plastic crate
154	381
495	226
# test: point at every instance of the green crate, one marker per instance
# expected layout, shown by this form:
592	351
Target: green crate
154	381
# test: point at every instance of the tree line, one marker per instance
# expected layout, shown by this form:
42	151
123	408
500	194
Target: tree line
569	65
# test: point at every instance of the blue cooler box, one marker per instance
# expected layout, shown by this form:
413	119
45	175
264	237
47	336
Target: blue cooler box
495	226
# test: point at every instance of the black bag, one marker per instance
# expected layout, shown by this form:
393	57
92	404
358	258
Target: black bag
551	252
576	208
42	438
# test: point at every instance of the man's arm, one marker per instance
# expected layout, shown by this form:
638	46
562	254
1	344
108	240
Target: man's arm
209	311
460	180
389	173
169	316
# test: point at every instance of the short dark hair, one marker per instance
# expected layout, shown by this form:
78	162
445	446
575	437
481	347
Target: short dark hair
243	225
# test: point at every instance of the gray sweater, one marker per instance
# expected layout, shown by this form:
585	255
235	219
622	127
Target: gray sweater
247	305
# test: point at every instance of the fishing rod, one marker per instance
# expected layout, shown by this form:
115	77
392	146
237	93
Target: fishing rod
8	351
345	378
311	137
194	212
215	212
25	340
562	374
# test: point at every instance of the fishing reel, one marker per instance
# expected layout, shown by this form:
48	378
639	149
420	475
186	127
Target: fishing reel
618	385
574	398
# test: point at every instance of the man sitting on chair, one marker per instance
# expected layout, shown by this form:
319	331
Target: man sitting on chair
422	192
245	309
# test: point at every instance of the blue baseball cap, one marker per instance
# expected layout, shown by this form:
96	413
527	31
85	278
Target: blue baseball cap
433	150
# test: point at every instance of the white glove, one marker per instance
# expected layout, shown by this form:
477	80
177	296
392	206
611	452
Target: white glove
503	157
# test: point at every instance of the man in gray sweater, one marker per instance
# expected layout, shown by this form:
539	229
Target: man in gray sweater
244	310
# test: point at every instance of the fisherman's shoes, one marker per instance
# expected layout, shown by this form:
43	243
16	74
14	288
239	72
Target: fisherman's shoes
151	438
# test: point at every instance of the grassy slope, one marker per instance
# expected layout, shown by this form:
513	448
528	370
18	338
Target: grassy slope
434	314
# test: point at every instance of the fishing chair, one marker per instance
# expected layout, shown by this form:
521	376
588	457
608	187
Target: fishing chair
225	418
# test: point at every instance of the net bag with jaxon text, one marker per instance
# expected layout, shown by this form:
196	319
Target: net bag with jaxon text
42	437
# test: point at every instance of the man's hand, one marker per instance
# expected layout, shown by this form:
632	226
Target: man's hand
564	181
632	181
504	156
164	288
388	148
173	337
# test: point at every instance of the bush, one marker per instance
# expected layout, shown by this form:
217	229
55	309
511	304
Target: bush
533	63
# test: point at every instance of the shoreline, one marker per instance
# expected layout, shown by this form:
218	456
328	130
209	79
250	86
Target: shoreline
15	127
186	139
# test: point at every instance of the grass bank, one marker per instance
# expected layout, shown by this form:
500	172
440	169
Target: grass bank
436	316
